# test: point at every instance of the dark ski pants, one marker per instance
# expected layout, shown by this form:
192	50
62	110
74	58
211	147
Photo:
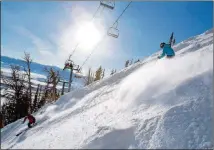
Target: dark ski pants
31	123
169	56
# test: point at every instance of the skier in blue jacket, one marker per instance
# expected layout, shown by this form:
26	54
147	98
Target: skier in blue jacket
167	50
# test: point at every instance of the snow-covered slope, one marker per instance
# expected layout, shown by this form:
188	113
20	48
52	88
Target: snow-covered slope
165	103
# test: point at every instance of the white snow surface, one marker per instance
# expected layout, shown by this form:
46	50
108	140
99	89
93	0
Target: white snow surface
7	72
165	103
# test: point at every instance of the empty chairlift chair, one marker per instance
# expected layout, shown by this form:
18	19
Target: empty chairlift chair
78	74
113	31
108	4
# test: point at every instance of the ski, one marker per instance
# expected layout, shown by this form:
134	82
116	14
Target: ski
21	132
25	130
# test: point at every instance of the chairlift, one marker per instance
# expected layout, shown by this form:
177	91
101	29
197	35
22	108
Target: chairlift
78	74
108	4
113	31
68	64
79	70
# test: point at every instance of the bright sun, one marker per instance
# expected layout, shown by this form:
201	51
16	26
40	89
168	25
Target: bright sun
88	35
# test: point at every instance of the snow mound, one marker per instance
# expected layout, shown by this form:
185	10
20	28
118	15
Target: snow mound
165	103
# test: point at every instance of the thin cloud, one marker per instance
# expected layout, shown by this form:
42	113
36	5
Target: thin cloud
39	43
46	53
67	40
61	42
43	48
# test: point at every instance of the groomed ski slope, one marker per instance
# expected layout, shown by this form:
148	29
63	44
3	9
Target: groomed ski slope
165	103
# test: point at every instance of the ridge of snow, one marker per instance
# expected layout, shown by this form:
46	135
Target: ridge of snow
165	103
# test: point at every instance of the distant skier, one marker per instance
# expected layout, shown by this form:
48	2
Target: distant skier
31	119
167	50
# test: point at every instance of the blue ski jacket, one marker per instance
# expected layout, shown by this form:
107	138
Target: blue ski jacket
167	50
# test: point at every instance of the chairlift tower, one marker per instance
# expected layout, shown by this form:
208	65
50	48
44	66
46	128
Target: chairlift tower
63	86
69	64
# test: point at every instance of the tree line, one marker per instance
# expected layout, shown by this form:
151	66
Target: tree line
21	96
100	72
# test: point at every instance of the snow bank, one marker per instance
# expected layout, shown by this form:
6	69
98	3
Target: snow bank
165	103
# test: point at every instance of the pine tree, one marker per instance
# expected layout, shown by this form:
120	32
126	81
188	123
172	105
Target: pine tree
127	63
53	79
112	72
98	74
40	93
89	78
36	99
115	71
46	91
137	61
130	63
103	73
92	77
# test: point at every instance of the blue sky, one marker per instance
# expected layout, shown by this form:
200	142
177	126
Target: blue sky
48	30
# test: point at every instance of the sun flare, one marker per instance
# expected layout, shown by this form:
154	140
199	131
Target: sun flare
88	35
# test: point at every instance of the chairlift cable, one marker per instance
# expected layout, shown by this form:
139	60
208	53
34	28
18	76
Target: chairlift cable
122	13
92	52
115	34
102	10
74	50
95	13
79	42
104	36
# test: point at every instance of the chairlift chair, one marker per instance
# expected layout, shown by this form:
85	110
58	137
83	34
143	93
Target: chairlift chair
108	4
79	70
68	64
78	73
77	76
113	31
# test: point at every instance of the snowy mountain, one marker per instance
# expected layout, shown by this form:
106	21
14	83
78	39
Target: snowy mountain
35	67
38	72
165	103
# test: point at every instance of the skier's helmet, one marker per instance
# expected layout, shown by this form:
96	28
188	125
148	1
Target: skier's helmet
162	45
